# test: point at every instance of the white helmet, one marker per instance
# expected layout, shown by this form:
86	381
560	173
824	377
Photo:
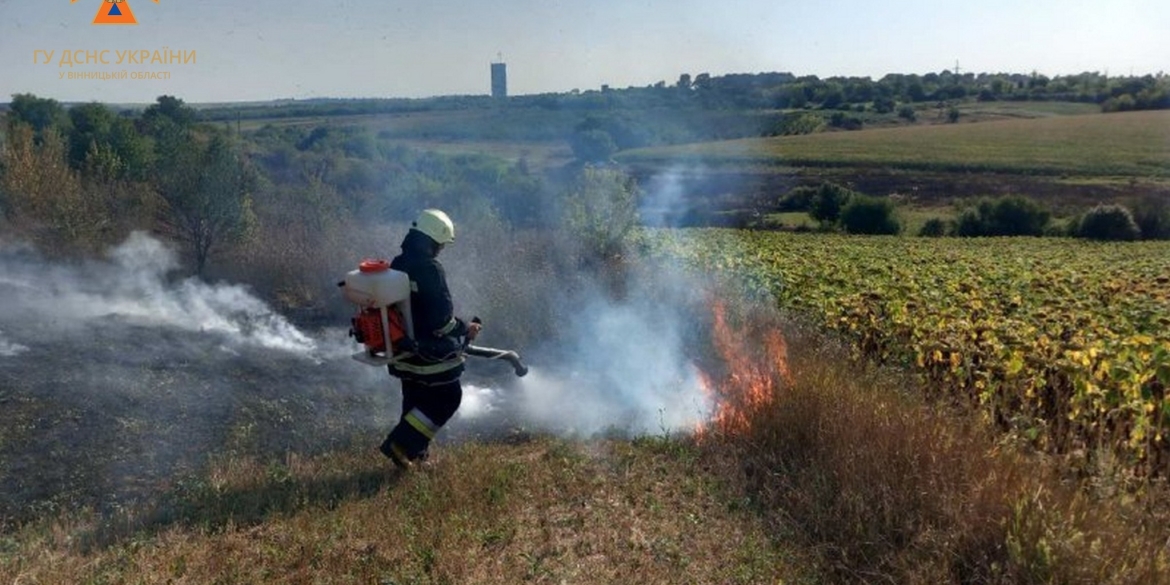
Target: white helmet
437	225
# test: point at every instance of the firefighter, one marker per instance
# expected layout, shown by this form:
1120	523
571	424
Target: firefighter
430	379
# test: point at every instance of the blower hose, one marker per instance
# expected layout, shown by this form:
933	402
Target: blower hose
498	354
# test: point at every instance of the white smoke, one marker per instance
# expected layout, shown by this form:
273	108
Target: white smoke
133	285
478	401
10	349
626	370
617	360
619	366
664	204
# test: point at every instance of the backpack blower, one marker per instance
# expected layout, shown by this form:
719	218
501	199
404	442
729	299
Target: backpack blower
383	325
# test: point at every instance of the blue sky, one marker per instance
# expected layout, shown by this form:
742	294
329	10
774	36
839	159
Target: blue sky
269	49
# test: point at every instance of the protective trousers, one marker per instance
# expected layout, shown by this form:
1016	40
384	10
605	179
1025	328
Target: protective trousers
425	409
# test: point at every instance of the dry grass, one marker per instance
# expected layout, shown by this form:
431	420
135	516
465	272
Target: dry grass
891	491
536	510
845	477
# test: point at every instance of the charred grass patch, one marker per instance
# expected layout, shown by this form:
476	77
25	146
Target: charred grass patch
850	462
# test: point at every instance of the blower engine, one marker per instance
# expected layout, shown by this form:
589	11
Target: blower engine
383	324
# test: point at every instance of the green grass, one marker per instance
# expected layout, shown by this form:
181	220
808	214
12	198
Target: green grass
1027	109
529	125
536	154
913	218
1131	144
790	219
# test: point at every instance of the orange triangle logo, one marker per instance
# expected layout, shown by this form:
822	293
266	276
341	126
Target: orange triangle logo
116	12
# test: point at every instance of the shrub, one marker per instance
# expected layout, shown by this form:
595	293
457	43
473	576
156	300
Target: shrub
601	208
934	227
828	202
798	199
841	120
883	105
907	113
1152	215
797	124
870	215
592	145
1007	216
1109	222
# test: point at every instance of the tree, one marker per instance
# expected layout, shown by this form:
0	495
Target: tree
132	149
831	95
601	209
207	191
166	112
883	105
92	124
916	92
172	108
592	145
41	114
45	198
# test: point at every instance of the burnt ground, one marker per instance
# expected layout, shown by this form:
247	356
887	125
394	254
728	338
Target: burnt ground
705	196
112	414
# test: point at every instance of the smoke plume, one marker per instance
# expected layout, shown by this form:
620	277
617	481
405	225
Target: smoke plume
133	286
131	375
610	361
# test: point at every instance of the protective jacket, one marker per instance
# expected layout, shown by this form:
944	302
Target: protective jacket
437	331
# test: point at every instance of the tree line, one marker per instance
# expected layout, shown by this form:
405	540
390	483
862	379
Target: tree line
280	208
767	91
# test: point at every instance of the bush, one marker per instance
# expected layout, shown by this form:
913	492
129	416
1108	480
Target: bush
841	120
798	199
1152	215
1109	222
1007	216
797	124
933	228
828	202
601	209
870	215
883	105
907	113
592	145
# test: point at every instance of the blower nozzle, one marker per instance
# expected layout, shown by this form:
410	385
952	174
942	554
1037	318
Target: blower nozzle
499	354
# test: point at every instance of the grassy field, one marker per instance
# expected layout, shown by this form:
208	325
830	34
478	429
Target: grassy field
533	510
839	475
986	110
1130	144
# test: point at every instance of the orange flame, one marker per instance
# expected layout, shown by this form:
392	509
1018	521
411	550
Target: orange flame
753	374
